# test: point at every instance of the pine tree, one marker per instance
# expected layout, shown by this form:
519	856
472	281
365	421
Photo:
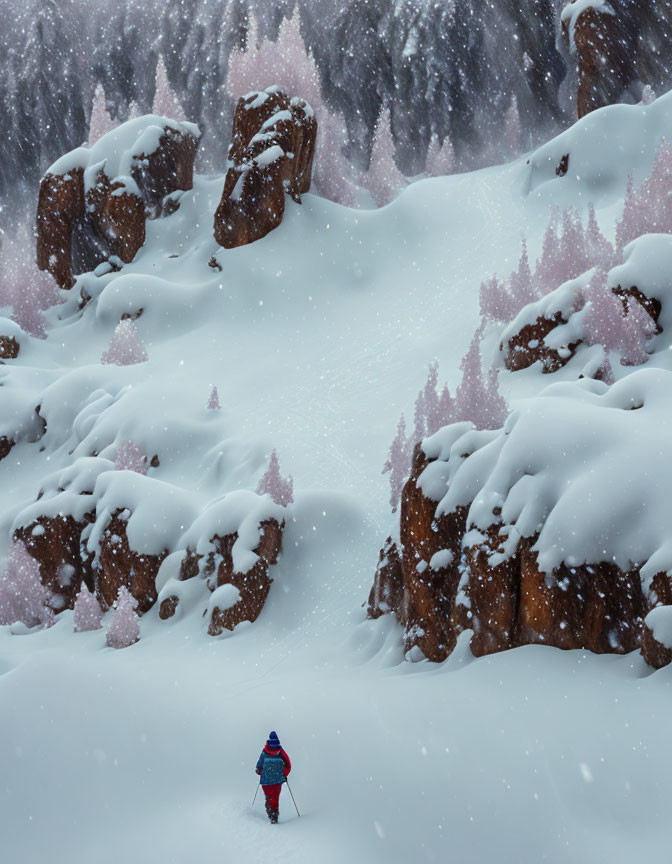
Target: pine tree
550	269
398	463
101	122
166	103
125	346
23	286
606	322
599	249
496	303
87	612
440	157
213	401
125	627
512	128
23	597
280	489
478	398
383	180
521	287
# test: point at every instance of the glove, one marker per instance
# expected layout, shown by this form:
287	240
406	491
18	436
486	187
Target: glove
258	772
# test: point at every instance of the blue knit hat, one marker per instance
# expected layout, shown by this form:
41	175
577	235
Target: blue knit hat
273	742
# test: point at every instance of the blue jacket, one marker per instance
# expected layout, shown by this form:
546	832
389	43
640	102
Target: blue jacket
273	766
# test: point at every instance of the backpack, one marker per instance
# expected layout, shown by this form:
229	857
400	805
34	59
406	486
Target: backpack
273	770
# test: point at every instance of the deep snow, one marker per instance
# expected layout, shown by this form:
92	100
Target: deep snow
317	337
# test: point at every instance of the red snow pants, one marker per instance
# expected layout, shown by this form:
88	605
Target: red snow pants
272	794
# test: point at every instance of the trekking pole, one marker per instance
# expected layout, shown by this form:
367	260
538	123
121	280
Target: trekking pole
292	794
255	793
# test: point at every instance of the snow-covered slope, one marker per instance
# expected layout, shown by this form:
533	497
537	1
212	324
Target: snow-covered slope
317	337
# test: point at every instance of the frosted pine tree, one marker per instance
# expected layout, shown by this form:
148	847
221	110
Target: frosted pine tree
383	180
23	597
213	401
599	249
440	157
573	257
521	288
478	398
550	268
281	489
496	304
125	346
28	290
101	122
166	103
87	612
130	458
125	627
512	128
398	463
606	322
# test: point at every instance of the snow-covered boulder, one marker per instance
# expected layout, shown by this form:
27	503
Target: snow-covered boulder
230	547
556	525
272	153
94	201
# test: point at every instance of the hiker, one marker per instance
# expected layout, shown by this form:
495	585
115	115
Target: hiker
273	766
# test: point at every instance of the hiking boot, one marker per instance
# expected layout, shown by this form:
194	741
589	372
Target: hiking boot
272	813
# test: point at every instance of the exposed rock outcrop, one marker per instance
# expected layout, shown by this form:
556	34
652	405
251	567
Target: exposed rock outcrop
461	566
253	586
6	445
657	637
93	203
56	543
272	152
121	566
528	345
605	51
617	48
9	348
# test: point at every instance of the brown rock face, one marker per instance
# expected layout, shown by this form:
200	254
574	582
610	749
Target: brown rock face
527	346
85	227
121	566
168	607
9	348
492	598
56	543
421	596
429	594
654	652
597	606
507	602
6	445
606	52
272	153
253	585
60	207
